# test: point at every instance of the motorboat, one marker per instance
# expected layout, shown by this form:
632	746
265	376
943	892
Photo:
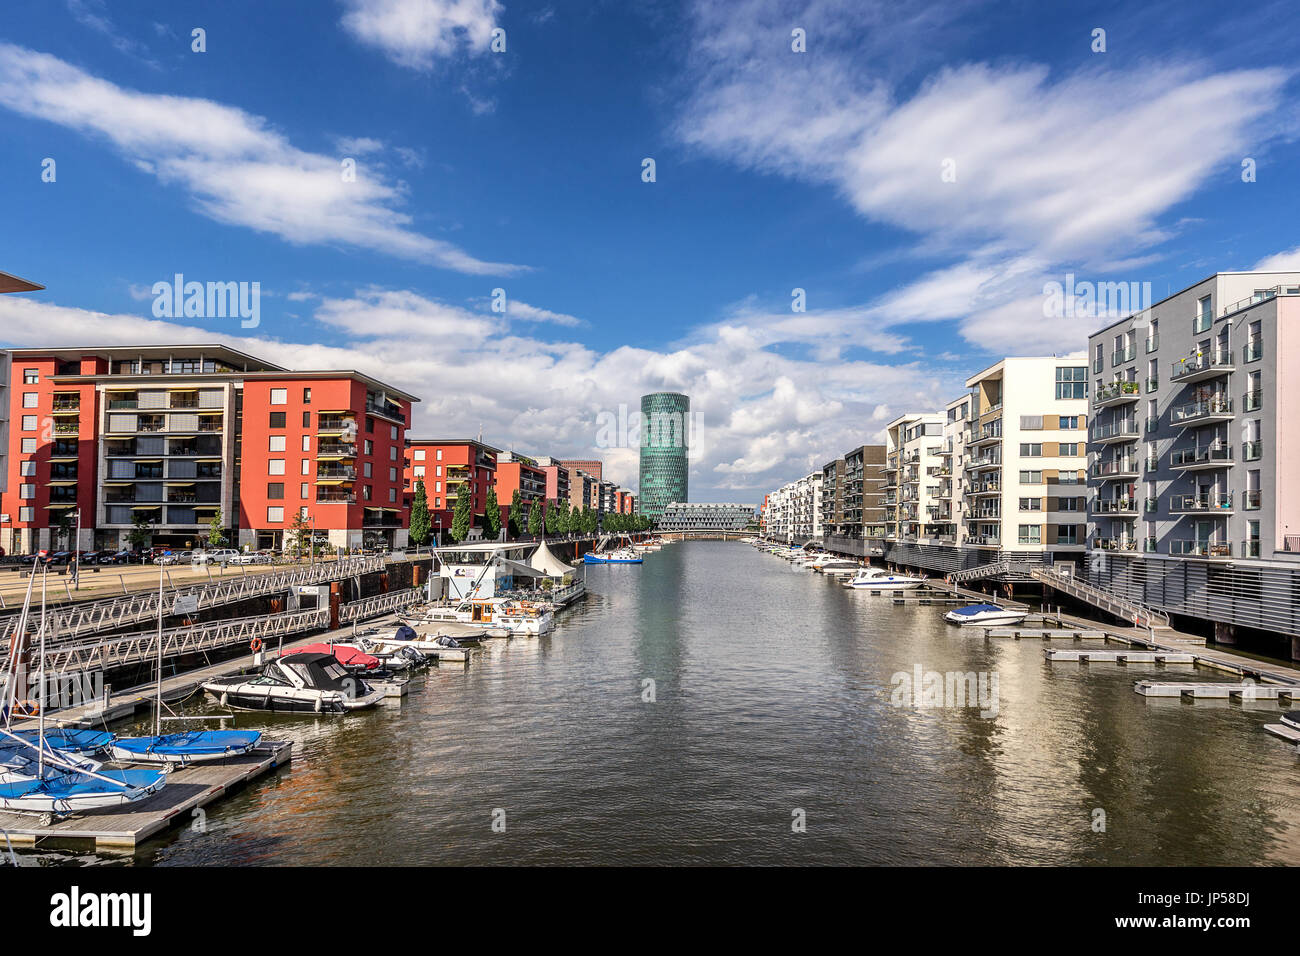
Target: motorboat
986	615
439	647
297	684
878	579
185	747
836	566
354	659
1292	719
621	556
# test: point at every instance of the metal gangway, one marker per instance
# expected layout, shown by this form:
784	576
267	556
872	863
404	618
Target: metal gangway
1141	615
122	649
997	569
80	619
379	604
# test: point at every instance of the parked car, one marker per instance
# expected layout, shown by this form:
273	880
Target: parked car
219	556
167	557
247	557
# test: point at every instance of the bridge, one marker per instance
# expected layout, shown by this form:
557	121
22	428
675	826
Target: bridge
706	535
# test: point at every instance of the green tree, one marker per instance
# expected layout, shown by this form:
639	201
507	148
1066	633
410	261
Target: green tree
492	516
421	527
141	530
300	535
553	517
535	517
516	514
590	522
217	530
462	519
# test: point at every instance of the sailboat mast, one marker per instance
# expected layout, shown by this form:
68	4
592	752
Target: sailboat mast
40	724
157	723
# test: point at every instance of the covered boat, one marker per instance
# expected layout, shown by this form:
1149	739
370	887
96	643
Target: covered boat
298	684
60	793
70	741
353	659
186	747
622	556
985	615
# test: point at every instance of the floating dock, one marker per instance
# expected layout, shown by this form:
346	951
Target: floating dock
1128	655
125	827
1245	690
1041	633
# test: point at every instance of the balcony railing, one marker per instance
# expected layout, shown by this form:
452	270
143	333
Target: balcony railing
1213	362
1210	455
1110	506
1250	500
1250	548
336	497
1116	391
1153	384
1202	322
1200	504
1153	342
1189	547
1115	544
1220	406
1251	450
335	448
66	428
65	405
1252	352
1105	469
1122	355
1124	429
1254	400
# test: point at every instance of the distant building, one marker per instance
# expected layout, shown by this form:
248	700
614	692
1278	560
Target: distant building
702	516
665	452
8	283
450	467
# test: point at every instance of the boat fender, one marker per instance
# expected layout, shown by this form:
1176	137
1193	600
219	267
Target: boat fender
318	705
225	699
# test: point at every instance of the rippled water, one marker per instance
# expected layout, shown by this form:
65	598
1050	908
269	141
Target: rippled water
772	690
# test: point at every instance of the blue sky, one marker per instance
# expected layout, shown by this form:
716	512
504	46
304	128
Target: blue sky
521	170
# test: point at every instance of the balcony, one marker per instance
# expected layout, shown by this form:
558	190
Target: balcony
1122	355
64	406
985	488
1200	459
1116	393
1153	342
1197	368
210	425
1252	450
1192	548
335	497
1118	507
1217	408
1118	468
344	473
1250	500
1201	505
336	450
122	403
1115	431
1115	544
1252	352
985	540
990	461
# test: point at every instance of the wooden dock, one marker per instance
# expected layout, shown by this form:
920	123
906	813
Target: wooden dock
125	827
1110	655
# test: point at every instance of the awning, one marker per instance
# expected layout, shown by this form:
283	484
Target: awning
179	484
336	411
60	484
70	504
147	461
145	507
331	481
522	570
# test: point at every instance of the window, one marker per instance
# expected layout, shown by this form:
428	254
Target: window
419	454
304	491
275	489
392	495
1031	504
437	470
1031	450
392	432
418	471
31	376
31	399
1067	534
27	469
279	396
275	515
306	443
275	466
392	453
369	447
365	492
306	419
392	474
28	446
26	491
367	469
1031	423
1072	382
277	420
1031	534
306	399
277	443
437	486
438	453
1031	477
370	424
306	467
29	423
1069	422
1069	449
1067	504
26	513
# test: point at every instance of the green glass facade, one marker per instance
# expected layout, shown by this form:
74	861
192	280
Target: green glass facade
665	457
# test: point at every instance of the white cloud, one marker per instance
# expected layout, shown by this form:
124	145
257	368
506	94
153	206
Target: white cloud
416	33
1288	261
763	416
235	167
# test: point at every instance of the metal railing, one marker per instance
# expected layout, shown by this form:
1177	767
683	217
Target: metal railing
1141	614
377	605
71	621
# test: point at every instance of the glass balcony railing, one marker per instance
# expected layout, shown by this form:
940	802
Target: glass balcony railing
1216	407
1116	391
1250	500
1201	504
1252	450
1195	548
1213	362
1210	456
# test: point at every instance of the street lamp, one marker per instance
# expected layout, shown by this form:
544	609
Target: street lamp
76	553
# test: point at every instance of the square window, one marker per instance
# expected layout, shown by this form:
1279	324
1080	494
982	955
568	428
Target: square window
27	469
419	454
29	423
275	466
275	515
26	491
26	513
279	396
277	443
276	420
29	446
275	489
31	376
31	399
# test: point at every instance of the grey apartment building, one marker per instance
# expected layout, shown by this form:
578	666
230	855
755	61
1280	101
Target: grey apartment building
1194	455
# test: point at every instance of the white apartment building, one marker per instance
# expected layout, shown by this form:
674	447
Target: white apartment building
794	511
913	459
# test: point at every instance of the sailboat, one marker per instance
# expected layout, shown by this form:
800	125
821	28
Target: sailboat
185	747
61	785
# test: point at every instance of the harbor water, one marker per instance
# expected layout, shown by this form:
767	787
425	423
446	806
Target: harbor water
773	732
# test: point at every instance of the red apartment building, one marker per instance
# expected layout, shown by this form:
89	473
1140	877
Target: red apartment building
522	474
448	467
171	436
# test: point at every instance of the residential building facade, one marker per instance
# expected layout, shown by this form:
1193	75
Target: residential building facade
449	468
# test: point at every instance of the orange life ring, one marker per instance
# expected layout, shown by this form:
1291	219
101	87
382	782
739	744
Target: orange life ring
255	644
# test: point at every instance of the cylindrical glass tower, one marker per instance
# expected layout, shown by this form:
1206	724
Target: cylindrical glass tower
665	417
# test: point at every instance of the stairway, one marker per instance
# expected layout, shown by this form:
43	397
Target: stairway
1140	615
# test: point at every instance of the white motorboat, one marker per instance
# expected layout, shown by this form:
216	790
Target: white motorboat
836	566
878	579
984	615
297	683
439	647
